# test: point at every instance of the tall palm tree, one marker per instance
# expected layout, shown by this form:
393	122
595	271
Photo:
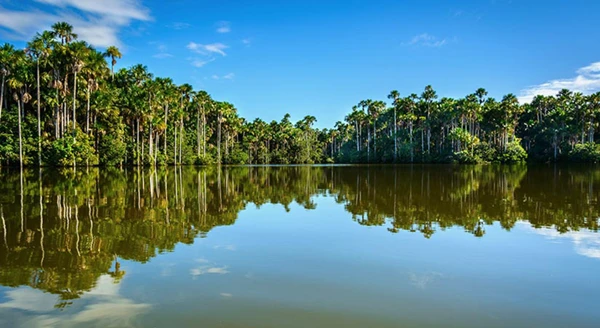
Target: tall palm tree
94	70
428	96
19	83
113	53
78	52
395	96
63	31
39	49
6	56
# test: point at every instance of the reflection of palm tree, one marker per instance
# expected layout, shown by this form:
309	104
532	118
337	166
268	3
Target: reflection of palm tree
117	274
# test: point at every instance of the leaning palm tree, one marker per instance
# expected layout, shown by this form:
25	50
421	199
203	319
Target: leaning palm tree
113	53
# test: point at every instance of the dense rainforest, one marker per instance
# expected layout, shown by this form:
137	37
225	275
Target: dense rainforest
63	104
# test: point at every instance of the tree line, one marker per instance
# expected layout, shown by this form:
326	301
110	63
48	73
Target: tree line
63	104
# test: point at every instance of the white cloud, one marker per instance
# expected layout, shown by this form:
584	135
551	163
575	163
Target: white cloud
426	40
207	49
229	76
162	55
208	270
106	308
199	62
162	51
116	9
97	22
587	81
585	242
26	298
223	27
179	25
247	42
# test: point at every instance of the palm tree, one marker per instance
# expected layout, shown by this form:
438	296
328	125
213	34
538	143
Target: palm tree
95	69
19	83
113	53
78	52
374	108
64	31
39	49
395	96
428	96
6	55
201	99
185	91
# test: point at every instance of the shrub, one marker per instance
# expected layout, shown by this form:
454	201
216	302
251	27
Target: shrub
585	153
514	153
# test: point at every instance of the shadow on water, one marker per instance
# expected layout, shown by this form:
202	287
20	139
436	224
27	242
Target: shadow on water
63	229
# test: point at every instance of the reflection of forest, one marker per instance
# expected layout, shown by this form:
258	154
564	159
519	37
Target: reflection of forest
62	230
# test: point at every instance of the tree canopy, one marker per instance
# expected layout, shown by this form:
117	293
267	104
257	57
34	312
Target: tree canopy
63	104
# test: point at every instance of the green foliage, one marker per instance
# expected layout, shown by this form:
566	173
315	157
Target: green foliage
205	160
112	149
68	151
125	111
236	156
585	153
514	153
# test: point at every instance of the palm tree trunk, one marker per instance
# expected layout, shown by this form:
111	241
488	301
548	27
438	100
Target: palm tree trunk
395	136
356	127
203	134
181	140
375	138
87	111
39	113
20	135
175	145
1	97
219	139
150	145
74	101
198	132
137	141
165	141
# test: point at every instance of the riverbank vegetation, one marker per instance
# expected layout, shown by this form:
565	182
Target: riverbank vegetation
62	103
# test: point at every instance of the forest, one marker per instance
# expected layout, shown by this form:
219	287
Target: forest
63	104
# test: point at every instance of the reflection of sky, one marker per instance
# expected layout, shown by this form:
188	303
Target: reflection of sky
106	307
585	242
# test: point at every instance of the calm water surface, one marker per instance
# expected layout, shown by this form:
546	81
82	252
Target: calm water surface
422	246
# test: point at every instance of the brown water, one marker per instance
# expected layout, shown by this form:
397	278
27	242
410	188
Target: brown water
301	246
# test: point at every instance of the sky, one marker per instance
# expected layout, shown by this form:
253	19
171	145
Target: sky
320	58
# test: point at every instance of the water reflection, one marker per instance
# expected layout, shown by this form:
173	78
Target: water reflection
65	232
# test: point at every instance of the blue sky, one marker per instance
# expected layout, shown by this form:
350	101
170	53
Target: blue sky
320	58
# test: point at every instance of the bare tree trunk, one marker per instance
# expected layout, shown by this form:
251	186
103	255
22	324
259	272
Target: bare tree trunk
20	136
39	127
203	134
137	141
175	144
165	141
219	139
87	112
181	140
2	96
198	132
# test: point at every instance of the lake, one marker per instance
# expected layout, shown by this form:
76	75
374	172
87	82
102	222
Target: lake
301	246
